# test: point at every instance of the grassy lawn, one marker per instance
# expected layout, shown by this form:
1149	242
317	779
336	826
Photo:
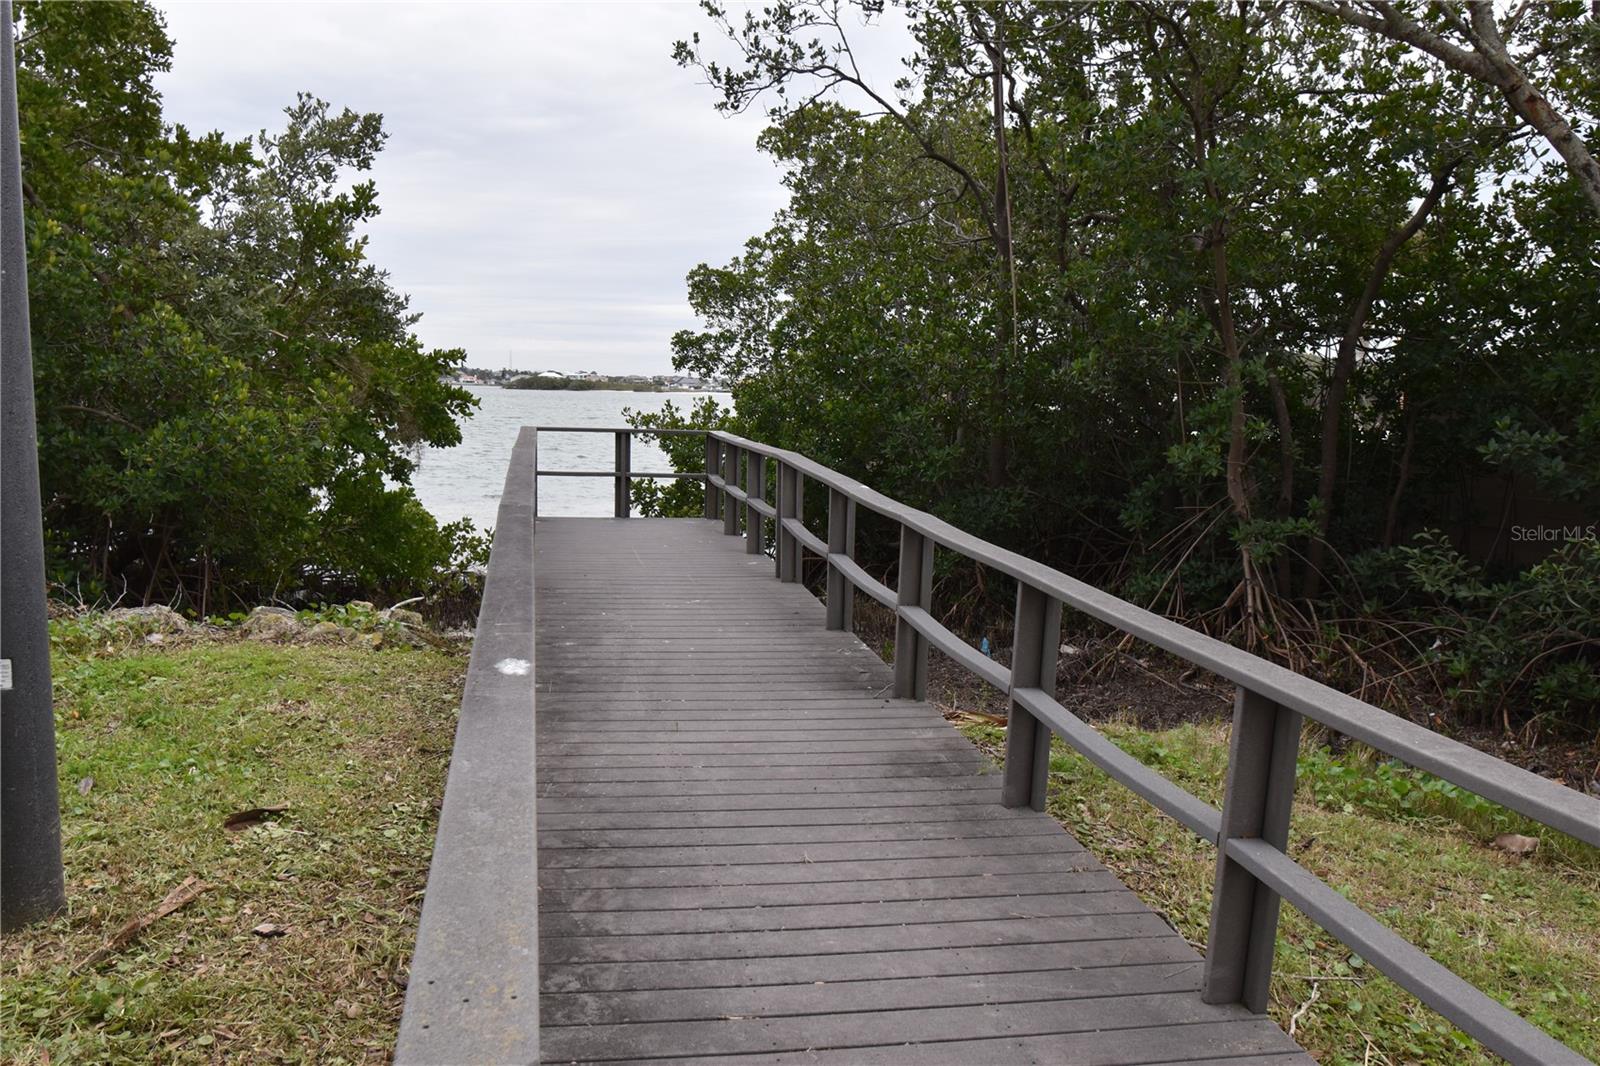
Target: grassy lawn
354	740
1526	931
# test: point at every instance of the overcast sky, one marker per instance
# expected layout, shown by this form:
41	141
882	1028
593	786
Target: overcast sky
550	177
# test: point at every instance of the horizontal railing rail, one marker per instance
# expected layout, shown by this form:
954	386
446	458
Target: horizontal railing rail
1254	872
622	475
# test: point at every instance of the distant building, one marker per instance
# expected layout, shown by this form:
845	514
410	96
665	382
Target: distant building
683	381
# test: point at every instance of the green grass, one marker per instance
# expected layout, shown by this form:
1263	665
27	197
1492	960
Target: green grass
355	740
1409	851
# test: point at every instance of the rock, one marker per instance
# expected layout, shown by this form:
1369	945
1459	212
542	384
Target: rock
326	631
362	605
372	640
155	619
270	623
1516	844
407	617
406	636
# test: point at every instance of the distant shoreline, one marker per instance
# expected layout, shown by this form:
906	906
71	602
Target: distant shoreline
545	383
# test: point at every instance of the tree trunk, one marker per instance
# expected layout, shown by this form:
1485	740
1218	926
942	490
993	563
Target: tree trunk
1006	336
1489	61
1344	368
1250	584
1233	359
1530	104
1280	412
1391	521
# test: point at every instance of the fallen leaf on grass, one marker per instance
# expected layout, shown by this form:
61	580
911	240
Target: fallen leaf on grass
85	785
269	929
954	715
182	896
241	820
1516	844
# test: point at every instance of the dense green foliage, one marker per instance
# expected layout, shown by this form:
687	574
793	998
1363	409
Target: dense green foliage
1216	304
680	498
229	392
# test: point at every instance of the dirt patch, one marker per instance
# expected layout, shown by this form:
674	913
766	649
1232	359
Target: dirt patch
1098	684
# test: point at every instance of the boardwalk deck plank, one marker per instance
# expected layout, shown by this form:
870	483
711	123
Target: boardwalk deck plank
895	993
750	852
737	1035
863	968
814	893
865	873
554	804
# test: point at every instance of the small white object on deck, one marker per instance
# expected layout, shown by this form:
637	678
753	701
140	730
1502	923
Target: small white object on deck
513	667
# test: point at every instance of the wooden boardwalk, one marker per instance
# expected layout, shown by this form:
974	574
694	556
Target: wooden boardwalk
749	852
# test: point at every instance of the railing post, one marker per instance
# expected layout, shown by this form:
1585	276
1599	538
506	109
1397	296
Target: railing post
730	479
1033	665
915	590
789	506
713	461
755	487
841	541
1257	804
621	504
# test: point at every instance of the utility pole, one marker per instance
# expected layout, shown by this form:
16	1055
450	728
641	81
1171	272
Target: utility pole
32	885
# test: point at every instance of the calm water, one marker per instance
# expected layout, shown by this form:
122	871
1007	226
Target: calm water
465	481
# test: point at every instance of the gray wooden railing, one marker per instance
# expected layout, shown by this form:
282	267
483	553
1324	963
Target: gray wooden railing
473	992
1254	872
622	475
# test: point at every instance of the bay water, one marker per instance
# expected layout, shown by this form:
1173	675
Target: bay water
466	481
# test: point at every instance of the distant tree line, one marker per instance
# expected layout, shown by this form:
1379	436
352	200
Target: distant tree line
1283	318
565	384
230	393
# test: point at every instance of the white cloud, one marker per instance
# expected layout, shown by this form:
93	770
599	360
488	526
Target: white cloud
551	175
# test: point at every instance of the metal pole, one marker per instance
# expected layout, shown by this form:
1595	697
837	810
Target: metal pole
31	880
